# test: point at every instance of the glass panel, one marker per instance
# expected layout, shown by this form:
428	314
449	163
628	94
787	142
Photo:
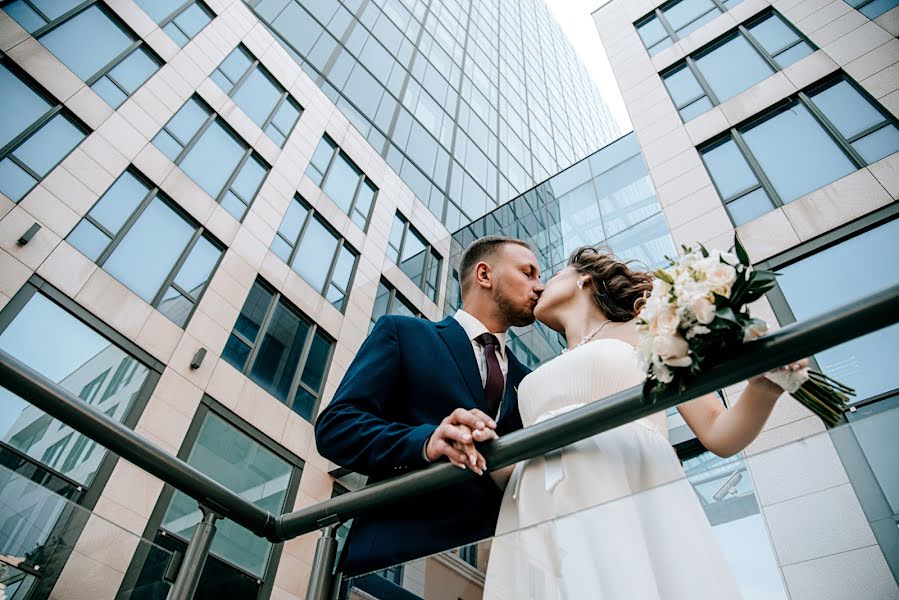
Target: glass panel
173	32
878	7
879	144
626	195
343	270
293	221
797	155
648	242
364	201
287	116
396	238
198	266
652	32
718	68
192	20
176	306
794	54
706	18
14	181
304	403
236	353
320	160
74	359
253	312
316	362
109	91
342	182
132	72
773	34
49	145
26	16
160	10
866	363
168	145
235	65
279	354
234	205
313	257
847	109
145	257
257	96
685	11
89	240
382	301
690	112
119	202
213	159
748	207
729	169
244	466
185	124
107	40
667	42
22	106
281	248
247	183
682	86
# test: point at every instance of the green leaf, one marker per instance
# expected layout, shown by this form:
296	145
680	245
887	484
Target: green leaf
661	274
741	251
726	313
705	253
719	300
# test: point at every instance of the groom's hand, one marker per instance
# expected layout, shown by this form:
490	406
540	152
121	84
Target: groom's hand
456	435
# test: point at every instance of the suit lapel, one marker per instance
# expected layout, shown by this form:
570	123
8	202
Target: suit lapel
460	347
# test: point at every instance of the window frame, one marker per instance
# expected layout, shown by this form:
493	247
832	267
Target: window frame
296	381
137	42
659	13
248	153
804	98
342	242
84	496
170	19
430	252
56	108
741	30
392	297
286	96
116	239
209	405
362	181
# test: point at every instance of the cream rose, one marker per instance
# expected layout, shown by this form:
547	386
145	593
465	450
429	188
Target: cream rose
703	309
671	350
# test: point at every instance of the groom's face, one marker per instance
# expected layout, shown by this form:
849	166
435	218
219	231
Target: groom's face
517	285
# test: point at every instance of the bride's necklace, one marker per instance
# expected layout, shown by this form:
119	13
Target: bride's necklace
589	336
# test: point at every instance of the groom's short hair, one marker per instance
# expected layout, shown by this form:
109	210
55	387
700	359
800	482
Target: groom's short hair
483	249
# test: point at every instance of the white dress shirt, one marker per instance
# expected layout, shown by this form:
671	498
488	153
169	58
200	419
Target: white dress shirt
473	328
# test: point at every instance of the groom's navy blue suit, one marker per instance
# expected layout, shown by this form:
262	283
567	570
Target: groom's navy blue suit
407	377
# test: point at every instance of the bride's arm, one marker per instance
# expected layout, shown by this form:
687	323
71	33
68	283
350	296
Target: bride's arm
501	476
728	431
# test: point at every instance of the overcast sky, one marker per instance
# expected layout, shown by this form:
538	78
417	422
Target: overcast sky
577	22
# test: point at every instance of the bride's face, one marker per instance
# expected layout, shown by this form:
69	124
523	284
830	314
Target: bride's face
558	294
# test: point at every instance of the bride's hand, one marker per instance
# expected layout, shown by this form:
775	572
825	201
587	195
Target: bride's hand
764	384
478	463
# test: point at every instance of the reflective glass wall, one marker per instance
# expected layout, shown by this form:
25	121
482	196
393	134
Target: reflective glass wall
471	103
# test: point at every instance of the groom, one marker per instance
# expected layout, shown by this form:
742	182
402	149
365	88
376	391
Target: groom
416	387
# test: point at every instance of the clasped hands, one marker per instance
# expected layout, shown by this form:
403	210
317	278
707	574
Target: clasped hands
456	436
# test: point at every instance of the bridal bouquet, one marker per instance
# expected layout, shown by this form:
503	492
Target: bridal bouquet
698	313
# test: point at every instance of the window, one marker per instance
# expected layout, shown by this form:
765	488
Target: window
390	302
258	94
810	141
139	237
221	446
708	77
873	8
283	352
417	259
342	181
182	21
213	155
50	340
676	20
36	134
316	252
114	64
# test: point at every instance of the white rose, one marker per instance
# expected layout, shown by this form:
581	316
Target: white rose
730	258
663	373
757	328
721	277
670	348
667	321
703	309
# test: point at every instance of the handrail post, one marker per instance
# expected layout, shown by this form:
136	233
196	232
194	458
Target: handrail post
194	558
322	575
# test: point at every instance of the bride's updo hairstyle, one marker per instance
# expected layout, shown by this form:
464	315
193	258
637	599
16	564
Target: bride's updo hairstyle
618	290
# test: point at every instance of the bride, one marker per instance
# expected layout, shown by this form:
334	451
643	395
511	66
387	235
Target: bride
641	533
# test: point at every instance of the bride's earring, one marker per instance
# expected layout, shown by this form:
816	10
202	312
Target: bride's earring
580	284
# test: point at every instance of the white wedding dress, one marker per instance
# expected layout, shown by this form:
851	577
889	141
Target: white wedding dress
611	517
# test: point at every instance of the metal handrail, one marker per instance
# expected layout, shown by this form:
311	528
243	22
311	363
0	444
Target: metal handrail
788	344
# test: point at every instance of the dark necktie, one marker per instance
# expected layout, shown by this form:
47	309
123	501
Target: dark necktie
493	389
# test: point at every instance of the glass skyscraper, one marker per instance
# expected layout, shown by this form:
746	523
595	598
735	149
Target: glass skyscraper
471	103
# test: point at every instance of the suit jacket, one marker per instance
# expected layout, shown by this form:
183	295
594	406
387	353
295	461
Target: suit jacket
408	376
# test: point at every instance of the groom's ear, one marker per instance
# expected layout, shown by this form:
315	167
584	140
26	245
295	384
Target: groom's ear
483	275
